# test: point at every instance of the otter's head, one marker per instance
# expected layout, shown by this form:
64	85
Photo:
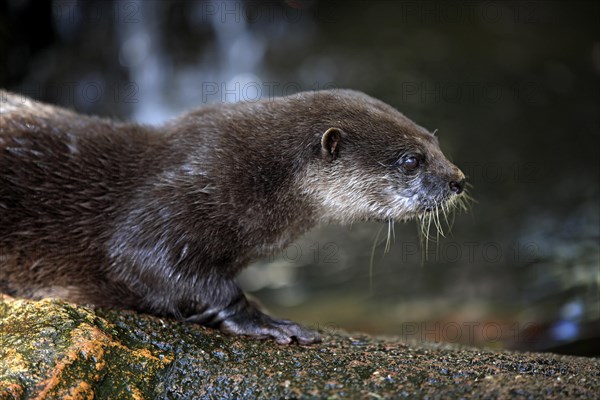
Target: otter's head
374	163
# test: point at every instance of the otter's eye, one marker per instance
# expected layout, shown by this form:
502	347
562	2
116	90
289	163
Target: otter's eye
411	163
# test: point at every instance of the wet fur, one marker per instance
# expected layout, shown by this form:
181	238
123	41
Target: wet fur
160	219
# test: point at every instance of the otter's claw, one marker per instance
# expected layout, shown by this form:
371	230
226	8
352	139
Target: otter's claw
251	322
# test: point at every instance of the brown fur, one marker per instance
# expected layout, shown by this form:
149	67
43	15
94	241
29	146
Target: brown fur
160	219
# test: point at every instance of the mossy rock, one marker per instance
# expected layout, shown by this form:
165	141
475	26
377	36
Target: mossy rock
52	349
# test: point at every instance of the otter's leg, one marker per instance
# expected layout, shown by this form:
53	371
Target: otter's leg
242	317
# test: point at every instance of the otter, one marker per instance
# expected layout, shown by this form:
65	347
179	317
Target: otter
160	219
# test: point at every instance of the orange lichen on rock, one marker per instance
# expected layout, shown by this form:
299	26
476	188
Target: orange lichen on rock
69	359
53	349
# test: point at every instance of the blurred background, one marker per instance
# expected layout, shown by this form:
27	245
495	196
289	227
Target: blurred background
512	89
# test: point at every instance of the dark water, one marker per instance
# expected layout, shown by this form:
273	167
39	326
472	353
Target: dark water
512	89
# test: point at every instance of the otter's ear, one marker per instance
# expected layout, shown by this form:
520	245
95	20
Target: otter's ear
330	143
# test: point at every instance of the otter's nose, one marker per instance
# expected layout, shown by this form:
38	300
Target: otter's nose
457	186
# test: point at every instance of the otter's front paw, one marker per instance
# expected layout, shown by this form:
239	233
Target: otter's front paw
251	322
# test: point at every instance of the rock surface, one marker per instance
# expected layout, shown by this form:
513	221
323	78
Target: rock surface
53	349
